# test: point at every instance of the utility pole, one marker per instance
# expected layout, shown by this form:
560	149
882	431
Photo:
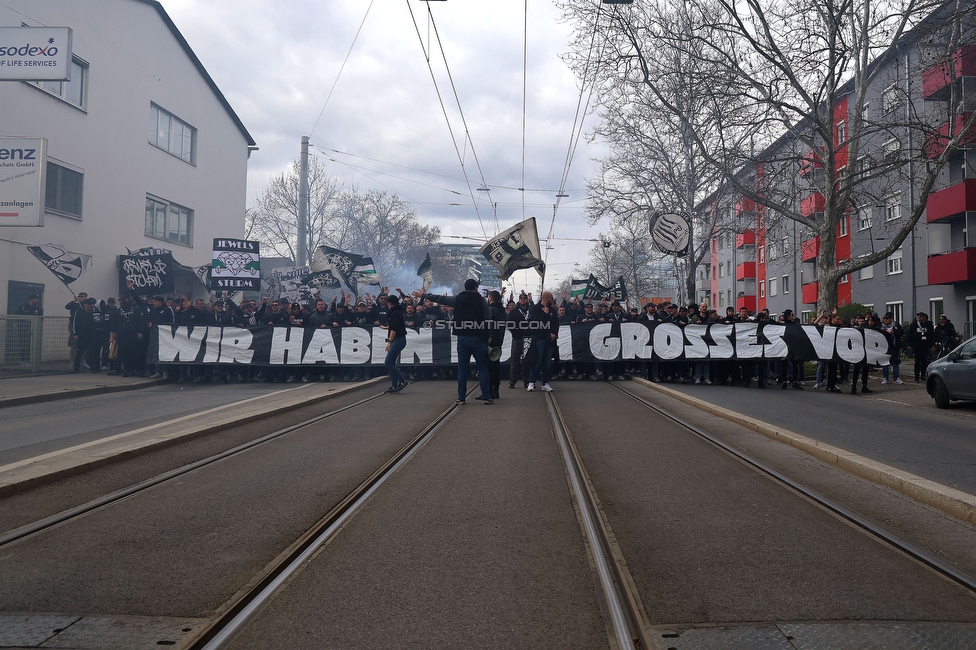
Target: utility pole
301	254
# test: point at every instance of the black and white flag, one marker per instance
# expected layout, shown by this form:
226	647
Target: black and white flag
671	233
426	273
515	249
67	266
236	265
332	268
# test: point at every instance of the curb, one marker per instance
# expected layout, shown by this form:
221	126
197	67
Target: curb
956	503
70	393
47	468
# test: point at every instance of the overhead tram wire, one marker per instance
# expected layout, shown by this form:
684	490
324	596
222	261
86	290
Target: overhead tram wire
577	130
409	199
525	58
341	68
457	100
447	119
376	171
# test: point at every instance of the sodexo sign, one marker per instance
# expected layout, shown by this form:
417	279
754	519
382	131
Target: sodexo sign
35	54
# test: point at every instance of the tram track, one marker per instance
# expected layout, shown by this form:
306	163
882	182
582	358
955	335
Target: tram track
961	578
236	614
78	511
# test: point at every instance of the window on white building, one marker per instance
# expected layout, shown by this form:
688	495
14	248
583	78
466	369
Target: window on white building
74	92
772	287
892	207
172	134
169	221
897	310
890	99
721	270
893	263
64	191
864	218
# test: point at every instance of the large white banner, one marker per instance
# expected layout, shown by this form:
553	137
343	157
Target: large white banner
35	53
23	171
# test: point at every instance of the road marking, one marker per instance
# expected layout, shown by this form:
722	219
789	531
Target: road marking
891	401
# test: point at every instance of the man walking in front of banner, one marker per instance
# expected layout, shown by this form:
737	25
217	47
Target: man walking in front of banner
470	325
396	340
545	330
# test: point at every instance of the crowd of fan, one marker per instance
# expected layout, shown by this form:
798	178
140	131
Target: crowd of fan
115	336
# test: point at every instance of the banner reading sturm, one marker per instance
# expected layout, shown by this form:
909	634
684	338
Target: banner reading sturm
356	346
236	265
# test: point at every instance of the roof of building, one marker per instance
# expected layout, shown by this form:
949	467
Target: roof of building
203	71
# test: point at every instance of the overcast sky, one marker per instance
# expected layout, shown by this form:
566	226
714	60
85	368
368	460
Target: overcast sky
277	60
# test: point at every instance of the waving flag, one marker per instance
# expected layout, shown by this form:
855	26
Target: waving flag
426	273
364	273
516	248
67	266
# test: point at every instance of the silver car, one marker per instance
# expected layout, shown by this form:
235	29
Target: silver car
953	376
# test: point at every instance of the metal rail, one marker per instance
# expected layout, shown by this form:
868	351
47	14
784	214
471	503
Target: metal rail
961	578
233	619
622	603
37	526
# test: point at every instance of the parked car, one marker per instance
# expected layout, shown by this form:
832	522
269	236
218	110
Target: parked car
953	376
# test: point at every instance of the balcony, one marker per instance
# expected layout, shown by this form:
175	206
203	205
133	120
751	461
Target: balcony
811	163
746	271
745	205
936	143
950	268
810	290
809	250
749	302
937	79
747	238
952	201
812	204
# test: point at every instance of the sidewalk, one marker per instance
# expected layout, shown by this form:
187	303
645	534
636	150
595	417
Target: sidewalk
35	389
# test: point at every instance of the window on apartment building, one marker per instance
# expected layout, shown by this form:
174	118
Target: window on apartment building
169	221
721	299
891	150
172	135
892	207
864	218
729	296
75	91
786	284
762	254
866	273
866	111
772	287
842	133
721	270
893	263
786	246
728	270
897	310
842	227
890	99
762	288
64	190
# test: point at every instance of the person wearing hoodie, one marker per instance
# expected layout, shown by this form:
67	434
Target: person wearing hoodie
470	325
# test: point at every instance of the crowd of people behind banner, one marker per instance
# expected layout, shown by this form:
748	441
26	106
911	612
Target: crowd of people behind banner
115	335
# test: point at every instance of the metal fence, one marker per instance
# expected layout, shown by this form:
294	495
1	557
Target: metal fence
33	345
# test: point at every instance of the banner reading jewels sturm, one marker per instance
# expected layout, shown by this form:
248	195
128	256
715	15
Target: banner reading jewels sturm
590	342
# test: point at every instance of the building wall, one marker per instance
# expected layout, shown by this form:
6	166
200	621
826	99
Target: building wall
910	287
134	59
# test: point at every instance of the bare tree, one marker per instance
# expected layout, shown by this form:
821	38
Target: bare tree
655	164
274	222
801	143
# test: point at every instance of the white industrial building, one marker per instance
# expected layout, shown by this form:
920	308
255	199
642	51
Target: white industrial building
143	149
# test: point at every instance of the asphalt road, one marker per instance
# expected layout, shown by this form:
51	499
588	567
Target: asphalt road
35	429
896	425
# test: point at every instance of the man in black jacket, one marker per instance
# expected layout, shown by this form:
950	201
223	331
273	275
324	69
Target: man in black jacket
471	315
496	336
83	334
921	341
518	316
545	330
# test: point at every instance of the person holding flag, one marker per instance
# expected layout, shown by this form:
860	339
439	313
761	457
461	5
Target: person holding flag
470	325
